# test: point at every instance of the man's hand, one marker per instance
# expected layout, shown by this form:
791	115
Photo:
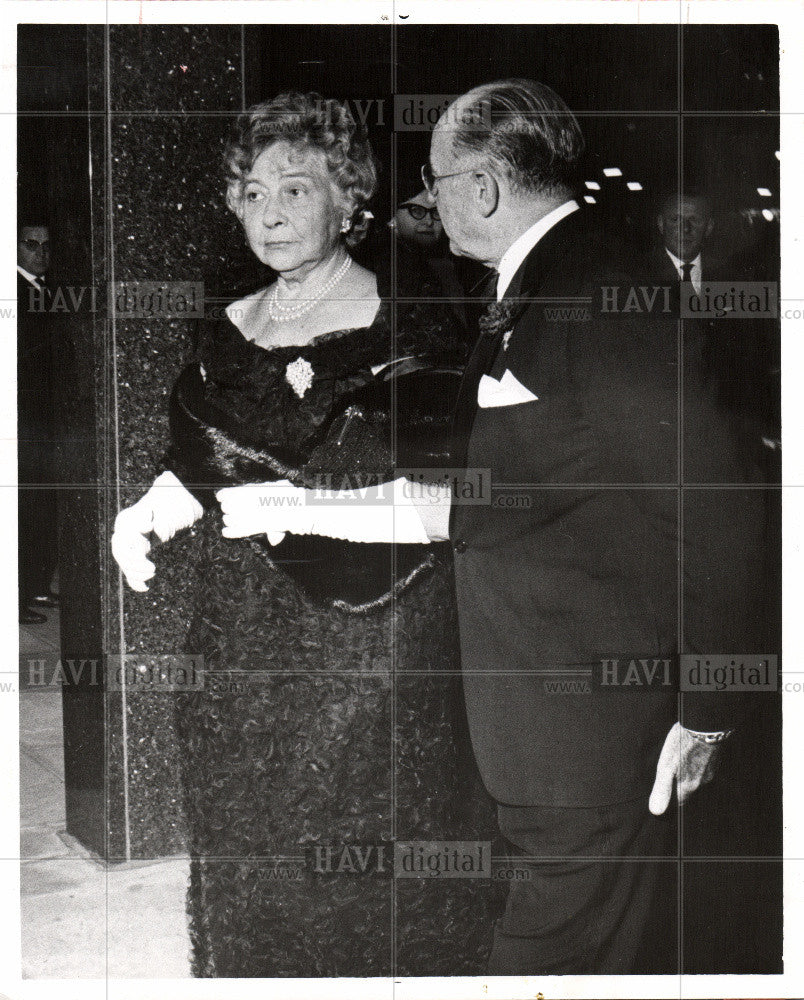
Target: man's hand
690	762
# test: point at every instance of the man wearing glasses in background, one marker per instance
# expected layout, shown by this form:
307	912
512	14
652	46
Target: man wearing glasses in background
37	543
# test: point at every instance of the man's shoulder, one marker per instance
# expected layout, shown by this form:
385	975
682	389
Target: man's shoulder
577	256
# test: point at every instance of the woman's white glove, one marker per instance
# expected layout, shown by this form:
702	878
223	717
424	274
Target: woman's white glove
166	508
386	514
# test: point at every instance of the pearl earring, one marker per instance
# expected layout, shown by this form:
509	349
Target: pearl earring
346	225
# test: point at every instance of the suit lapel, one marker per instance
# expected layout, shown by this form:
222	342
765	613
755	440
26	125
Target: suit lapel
534	276
487	357
480	363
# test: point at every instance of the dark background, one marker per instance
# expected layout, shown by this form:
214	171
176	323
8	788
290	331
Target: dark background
659	102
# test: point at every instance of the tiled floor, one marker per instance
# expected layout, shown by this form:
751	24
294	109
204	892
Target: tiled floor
81	918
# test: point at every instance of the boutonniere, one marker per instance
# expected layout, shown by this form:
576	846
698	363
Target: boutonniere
299	376
501	317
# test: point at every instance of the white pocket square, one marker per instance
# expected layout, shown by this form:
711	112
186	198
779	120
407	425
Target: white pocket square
507	392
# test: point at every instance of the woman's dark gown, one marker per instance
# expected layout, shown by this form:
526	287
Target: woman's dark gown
318	726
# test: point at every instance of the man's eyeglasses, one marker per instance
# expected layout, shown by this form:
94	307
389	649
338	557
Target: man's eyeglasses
418	212
431	180
33	245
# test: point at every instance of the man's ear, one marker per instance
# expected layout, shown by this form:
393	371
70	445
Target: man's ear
660	223
486	192
709	227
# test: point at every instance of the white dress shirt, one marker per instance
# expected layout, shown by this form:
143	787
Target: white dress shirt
521	247
695	274
30	278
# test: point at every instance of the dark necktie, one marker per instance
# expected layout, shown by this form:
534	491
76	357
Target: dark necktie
686	271
488	287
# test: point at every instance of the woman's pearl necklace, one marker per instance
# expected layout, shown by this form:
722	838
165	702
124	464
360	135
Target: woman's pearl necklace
280	313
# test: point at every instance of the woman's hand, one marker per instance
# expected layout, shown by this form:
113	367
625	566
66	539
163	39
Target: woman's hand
166	508
385	513
261	508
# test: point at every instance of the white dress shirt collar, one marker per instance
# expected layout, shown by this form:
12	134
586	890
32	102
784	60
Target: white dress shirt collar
30	278
695	273
520	248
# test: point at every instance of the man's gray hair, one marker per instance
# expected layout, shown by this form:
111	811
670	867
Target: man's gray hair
525	128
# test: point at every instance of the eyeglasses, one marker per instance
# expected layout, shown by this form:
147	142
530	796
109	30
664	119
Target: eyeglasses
419	211
34	245
431	180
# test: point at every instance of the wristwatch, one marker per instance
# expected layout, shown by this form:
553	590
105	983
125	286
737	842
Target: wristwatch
710	737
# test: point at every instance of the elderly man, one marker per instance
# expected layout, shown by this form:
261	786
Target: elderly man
579	413
595	561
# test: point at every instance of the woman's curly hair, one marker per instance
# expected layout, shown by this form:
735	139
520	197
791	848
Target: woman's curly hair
307	120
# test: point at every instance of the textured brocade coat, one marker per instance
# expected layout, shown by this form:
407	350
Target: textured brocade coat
319	724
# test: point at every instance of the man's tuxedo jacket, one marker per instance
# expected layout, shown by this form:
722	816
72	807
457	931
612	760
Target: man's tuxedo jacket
604	547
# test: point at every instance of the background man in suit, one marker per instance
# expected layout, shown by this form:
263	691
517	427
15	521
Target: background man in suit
685	222
574	410
37	550
740	355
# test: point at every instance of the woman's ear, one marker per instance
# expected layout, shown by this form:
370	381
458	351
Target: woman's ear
234	202
347	208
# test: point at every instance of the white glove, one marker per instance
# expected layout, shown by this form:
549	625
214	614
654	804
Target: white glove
385	514
166	508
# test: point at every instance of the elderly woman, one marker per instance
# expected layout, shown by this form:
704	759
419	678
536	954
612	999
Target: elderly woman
331	713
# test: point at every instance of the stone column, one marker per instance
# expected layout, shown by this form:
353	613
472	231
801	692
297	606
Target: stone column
160	101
